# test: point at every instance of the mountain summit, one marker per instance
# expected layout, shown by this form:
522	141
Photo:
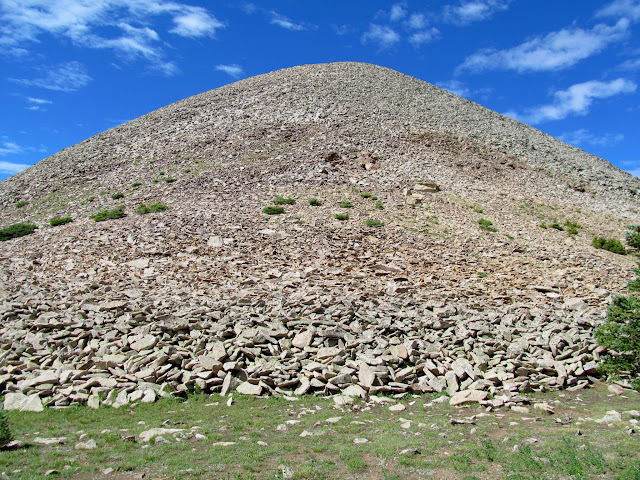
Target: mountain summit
425	243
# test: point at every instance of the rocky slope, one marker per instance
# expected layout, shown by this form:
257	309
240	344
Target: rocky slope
214	294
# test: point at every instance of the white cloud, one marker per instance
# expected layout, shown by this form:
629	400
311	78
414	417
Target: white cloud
621	8
284	22
196	22
424	36
10	168
417	21
121	25
585	137
66	77
631	64
473	11
9	147
38	101
576	100
234	70
555	51
398	12
382	35
456	87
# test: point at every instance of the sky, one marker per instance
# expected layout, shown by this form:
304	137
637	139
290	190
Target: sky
70	69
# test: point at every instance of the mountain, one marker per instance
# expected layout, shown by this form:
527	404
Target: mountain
465	261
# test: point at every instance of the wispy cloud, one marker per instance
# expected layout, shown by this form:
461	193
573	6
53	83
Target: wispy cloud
285	22
234	70
582	137
10	168
398	12
467	12
121	25
66	77
554	51
383	36
576	100
424	36
621	8
7	148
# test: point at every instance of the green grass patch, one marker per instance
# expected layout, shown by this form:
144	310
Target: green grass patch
56	221
341	216
487	225
345	204
154	207
113	214
610	244
373	223
135	184
379	205
16	230
117	196
170	180
271	210
365	195
283	201
314	202
22	204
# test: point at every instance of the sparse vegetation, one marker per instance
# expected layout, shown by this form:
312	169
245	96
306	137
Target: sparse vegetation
283	201
486	225
154	207
170	180
379	205
116	213
341	216
270	210
345	204
16	230
633	237
117	196
365	195
314	202
56	221
620	335
572	227
611	244
557	226
5	430
373	223
135	184
22	204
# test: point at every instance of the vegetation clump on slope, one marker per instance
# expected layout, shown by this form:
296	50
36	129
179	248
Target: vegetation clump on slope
114	214
16	230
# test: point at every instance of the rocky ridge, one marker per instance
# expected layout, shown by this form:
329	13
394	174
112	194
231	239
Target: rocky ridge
214	295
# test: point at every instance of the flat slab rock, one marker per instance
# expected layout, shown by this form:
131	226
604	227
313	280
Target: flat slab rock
468	396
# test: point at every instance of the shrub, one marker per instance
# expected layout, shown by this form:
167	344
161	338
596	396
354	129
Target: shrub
16	230
56	221
314	202
557	226
170	180
611	244
116	196
487	225
135	184
341	216
365	195
620	335
633	237
379	205
90	199
283	201
345	204
5	431
154	207
572	227
21	204
117	212
273	210
373	223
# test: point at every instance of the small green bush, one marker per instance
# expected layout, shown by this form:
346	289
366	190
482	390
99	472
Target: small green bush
21	204
170	180
161	173
283	201
365	195
572	227
117	196
56	221
557	226
116	213
487	225
611	244
341	216
135	184
373	223
379	205
345	204
273	210
5	430
314	202
16	230
633	237
90	199
154	207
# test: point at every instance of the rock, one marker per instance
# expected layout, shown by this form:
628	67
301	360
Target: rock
93	402
24	403
247	388
147	435
229	384
304	338
611	417
210	363
142	342
615	389
468	396
398	407
50	441
359	441
355	391
88	445
366	375
575	304
223	444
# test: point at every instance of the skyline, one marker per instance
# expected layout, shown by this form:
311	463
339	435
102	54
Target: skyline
74	68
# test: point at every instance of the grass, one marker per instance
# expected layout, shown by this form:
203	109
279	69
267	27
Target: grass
610	244
16	230
487	225
22	204
103	215
170	180
341	216
154	207
283	201
379	205
501	444
56	221
314	202
270	210
117	196
345	204
135	184
373	223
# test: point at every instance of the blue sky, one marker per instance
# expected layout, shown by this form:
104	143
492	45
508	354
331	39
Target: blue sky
70	69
